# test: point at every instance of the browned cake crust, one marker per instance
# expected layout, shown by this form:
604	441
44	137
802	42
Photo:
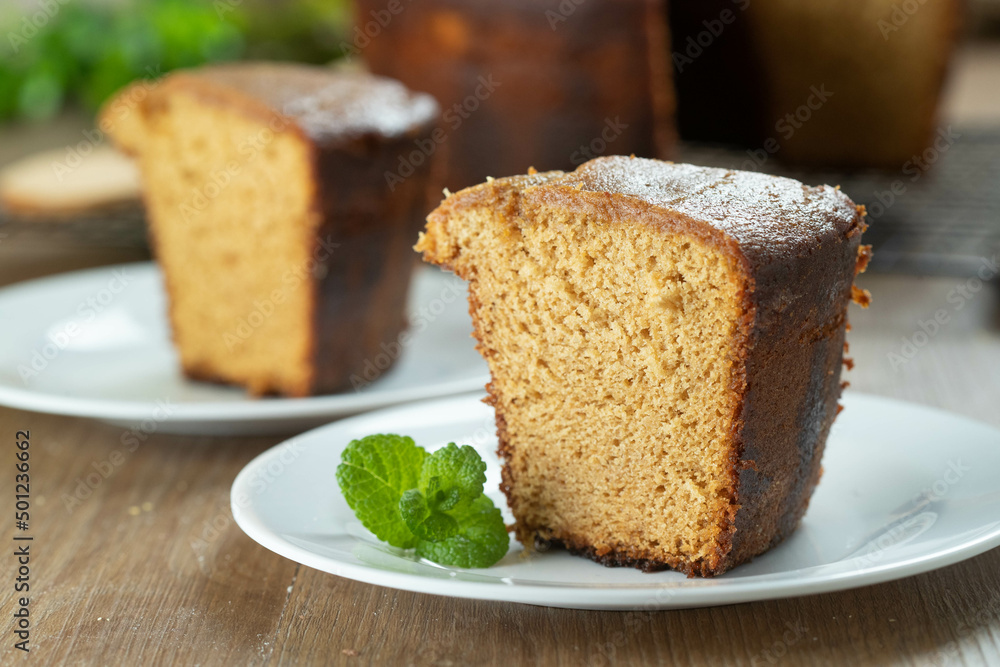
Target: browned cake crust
356	127
798	251
542	83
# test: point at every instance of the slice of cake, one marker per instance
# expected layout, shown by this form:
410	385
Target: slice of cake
284	247
666	344
552	83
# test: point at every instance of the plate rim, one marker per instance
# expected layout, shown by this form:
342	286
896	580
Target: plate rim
702	593
208	412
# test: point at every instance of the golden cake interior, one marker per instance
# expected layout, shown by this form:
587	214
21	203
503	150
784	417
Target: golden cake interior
231	205
614	352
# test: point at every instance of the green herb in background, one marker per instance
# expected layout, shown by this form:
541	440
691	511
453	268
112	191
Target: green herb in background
431	502
80	52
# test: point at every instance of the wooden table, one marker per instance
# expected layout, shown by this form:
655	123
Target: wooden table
149	567
146	564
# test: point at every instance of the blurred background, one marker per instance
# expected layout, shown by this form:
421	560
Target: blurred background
70	55
61	59
916	138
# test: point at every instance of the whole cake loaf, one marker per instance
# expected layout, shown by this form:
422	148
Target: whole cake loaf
548	83
285	251
854	83
666	345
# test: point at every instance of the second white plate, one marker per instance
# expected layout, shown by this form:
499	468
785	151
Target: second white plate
96	343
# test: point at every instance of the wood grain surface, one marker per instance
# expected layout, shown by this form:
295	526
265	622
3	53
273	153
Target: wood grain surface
137	560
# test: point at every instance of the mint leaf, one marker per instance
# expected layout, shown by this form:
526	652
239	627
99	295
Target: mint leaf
432	502
424	522
451	476
480	542
374	473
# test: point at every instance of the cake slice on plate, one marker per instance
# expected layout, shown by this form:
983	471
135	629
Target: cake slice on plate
665	343
285	251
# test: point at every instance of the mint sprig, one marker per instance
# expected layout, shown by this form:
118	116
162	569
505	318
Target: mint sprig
431	502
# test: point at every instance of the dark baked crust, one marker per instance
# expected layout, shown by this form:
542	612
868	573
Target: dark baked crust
566	73
361	287
798	249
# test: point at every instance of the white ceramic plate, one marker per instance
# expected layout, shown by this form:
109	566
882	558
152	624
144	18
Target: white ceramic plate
96	343
906	489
